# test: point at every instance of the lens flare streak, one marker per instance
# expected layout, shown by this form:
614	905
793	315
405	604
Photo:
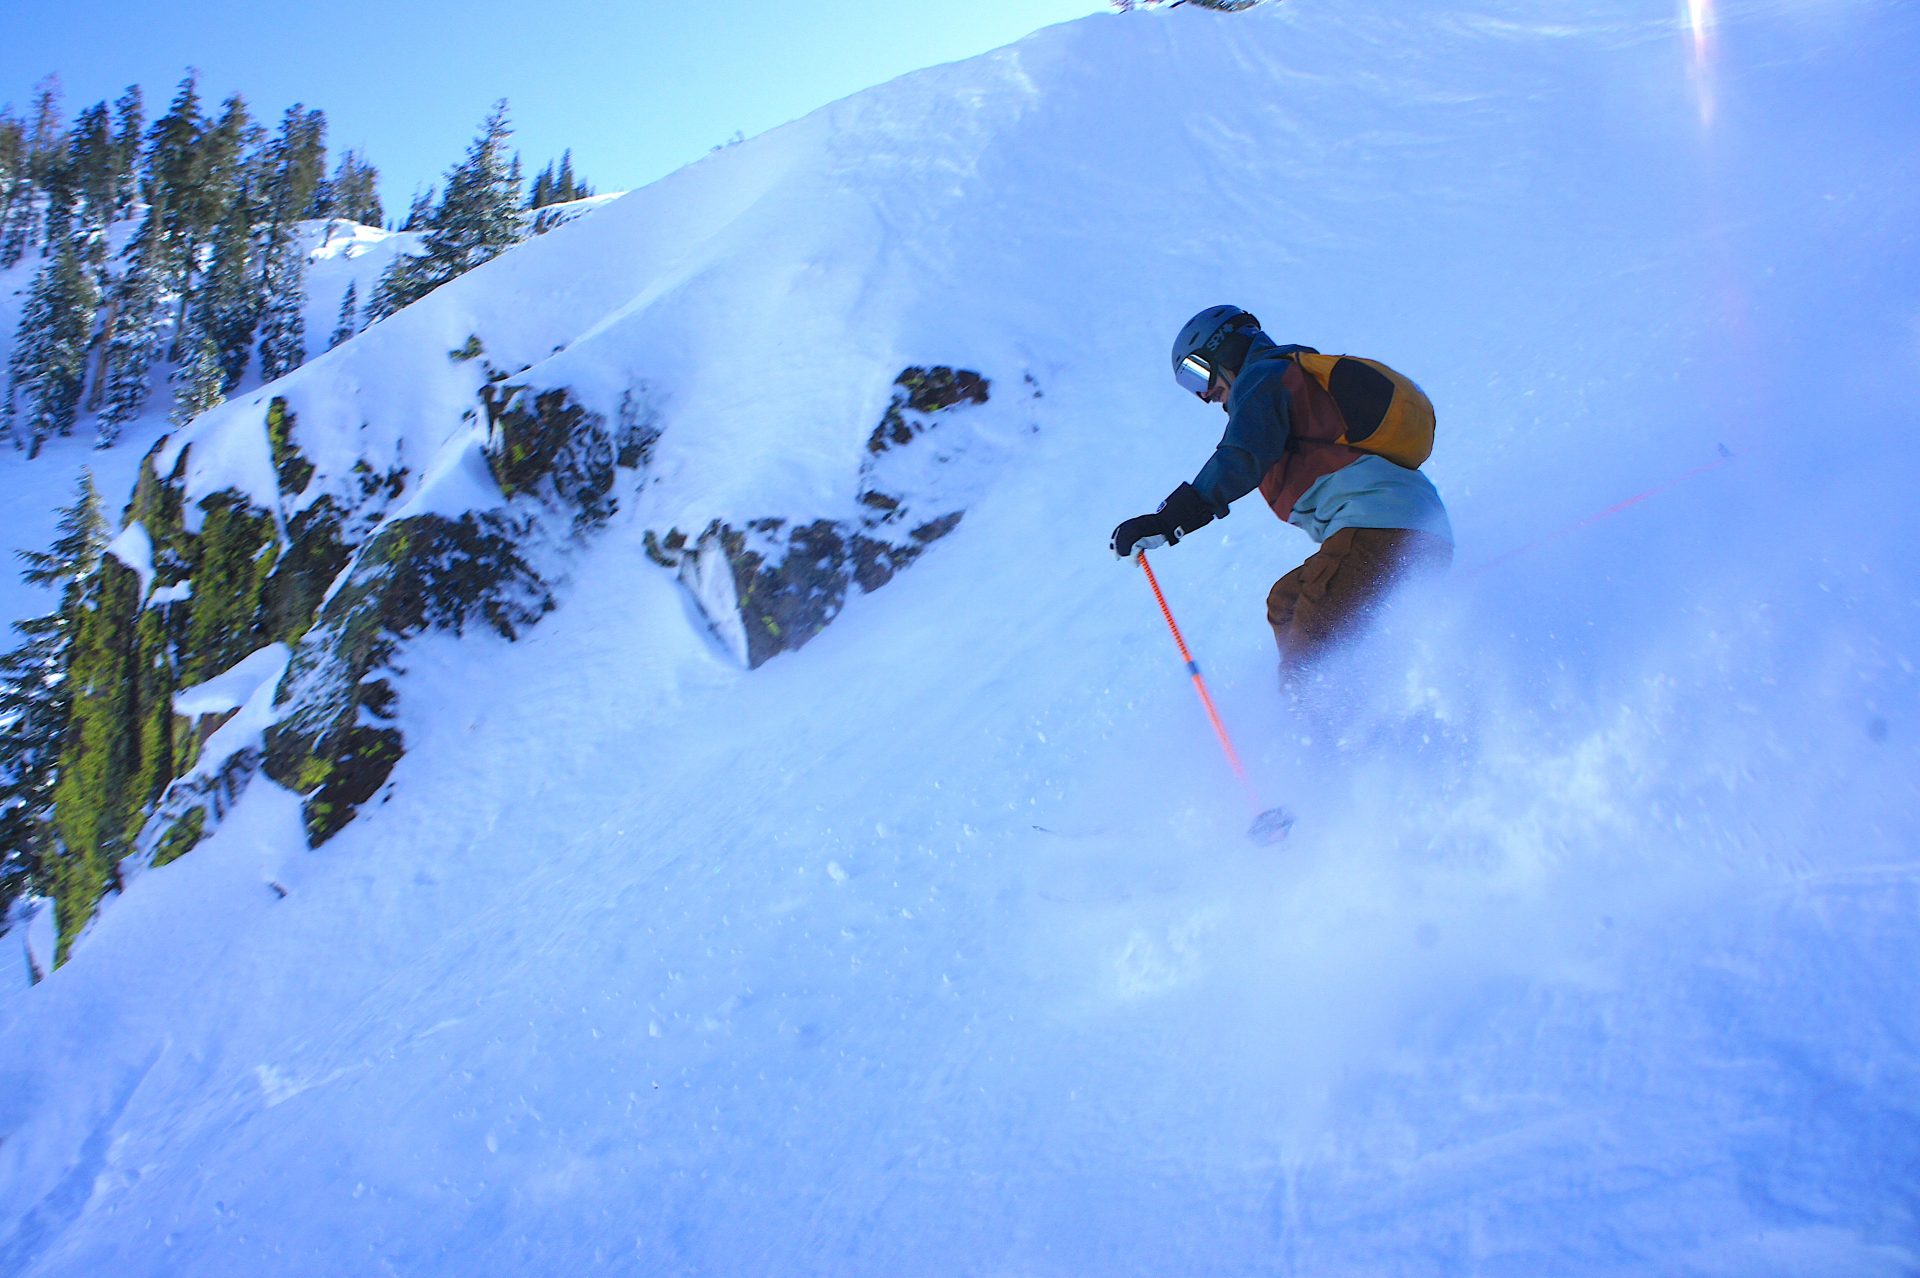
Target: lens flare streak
1700	19
1700	24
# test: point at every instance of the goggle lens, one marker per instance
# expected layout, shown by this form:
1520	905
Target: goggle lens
1193	374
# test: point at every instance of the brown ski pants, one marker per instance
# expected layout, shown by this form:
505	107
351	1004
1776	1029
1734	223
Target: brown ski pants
1341	587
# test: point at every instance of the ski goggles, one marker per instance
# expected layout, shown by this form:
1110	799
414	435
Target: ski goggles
1193	373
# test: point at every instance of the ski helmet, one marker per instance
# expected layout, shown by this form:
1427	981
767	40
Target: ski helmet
1215	339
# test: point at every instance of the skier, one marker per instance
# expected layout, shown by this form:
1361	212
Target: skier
1376	522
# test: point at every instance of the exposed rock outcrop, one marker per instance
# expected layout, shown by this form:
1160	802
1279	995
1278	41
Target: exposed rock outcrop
768	586
336	583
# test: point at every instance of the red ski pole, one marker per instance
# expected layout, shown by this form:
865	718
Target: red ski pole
1271	824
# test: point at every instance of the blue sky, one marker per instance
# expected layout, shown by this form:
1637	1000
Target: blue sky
636	89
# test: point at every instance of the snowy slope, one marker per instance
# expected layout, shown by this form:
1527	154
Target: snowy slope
935	947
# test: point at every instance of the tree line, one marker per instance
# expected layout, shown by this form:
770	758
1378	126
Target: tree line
211	280
36	698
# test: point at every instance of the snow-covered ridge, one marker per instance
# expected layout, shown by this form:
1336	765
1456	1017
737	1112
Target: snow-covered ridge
935	946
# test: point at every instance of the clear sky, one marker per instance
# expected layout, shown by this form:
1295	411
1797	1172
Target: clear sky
636	89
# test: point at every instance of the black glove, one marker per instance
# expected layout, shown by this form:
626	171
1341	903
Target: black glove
1184	511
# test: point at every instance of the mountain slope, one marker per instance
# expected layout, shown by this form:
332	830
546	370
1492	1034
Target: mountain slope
935	946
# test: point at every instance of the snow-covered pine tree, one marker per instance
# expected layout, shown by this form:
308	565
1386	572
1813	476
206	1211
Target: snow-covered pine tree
226	301
296	163
174	172
129	116
199	384
48	370
420	212
46	139
206	181
349	322
16	192
16	225
476	221
478	218
283	335
225	165
295	166
93	177
56	185
135	341
45	136
36	699
564	188
542	193
351	193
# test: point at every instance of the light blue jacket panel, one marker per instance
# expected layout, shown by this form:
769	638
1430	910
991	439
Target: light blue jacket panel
1372	493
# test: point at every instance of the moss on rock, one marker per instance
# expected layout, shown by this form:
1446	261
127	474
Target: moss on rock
234	556
292	470
106	768
182	836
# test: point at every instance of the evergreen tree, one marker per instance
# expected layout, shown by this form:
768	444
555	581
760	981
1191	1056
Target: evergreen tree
225	306
203	171
173	151
36	699
297	166
349	322
48	369
16	223
134	343
56	184
420	212
283	339
93	176
13	146
199	384
16	191
46	141
478	218
174	176
558	184
476	221
224	165
351	193
129	115
294	168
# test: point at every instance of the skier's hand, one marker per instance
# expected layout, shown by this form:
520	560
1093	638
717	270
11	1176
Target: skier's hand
1143	532
1183	511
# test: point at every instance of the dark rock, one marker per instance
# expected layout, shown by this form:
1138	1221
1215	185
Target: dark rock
767	589
316	553
639	429
332	743
545	444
